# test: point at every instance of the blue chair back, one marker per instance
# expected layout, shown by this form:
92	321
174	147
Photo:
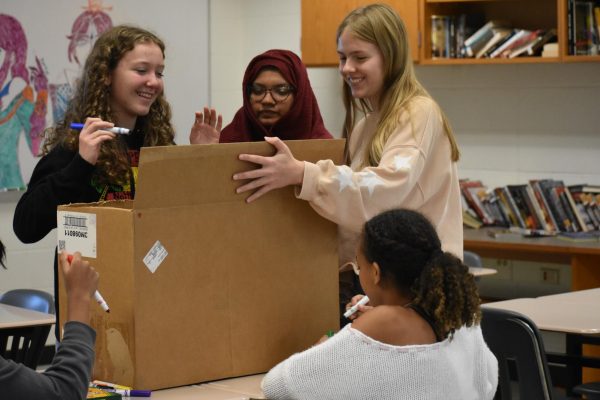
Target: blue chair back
472	259
31	299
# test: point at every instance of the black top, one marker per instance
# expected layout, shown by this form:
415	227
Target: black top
63	177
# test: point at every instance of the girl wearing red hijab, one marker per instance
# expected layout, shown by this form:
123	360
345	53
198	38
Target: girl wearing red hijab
278	101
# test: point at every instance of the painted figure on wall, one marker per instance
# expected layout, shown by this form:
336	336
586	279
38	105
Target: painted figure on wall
92	22
23	101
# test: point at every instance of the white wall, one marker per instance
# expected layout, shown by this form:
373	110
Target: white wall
512	122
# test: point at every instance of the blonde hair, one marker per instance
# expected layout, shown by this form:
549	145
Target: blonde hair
92	99
381	25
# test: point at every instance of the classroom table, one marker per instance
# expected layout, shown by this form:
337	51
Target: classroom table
21	322
242	388
577	315
582	256
17	317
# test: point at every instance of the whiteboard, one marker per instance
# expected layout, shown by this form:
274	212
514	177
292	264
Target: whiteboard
182	25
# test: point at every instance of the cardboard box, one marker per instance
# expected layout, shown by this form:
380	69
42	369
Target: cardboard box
201	285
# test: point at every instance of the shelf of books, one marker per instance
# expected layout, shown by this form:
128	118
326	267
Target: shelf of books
509	31
541	207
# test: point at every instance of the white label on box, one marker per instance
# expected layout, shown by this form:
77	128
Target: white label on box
155	256
76	232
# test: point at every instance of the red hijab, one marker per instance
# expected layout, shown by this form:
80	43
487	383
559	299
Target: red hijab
303	121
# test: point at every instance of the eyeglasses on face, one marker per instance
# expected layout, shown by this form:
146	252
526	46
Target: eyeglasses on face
279	93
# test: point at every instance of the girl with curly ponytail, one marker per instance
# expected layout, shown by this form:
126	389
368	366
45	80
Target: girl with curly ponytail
418	337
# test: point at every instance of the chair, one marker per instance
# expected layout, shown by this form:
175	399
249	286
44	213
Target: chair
31	299
26	343
472	259
517	344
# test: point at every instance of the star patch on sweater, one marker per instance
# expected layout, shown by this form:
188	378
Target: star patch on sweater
344	176
401	163
370	180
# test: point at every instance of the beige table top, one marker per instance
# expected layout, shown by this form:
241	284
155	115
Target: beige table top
479	271
586	296
15	317
242	388
564	315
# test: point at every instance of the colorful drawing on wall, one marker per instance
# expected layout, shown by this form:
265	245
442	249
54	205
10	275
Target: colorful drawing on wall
22	107
24	90
87	27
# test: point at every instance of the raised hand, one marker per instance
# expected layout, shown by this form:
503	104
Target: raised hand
207	127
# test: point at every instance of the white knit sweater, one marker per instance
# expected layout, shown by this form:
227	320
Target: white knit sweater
351	365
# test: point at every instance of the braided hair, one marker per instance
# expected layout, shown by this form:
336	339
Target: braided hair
408	251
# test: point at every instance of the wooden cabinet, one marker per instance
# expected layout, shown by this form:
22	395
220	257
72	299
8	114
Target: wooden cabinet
321	18
523	14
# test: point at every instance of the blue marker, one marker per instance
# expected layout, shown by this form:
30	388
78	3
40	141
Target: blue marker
116	129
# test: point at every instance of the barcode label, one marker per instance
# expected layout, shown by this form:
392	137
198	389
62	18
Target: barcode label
76	231
73	222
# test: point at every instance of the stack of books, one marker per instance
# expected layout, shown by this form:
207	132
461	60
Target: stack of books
496	39
583	27
543	205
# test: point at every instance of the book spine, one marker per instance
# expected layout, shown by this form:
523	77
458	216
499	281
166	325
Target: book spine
550	221
531	205
571	39
513	207
517	195
575	209
567	207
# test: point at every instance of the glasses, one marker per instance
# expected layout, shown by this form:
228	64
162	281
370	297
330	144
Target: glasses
278	93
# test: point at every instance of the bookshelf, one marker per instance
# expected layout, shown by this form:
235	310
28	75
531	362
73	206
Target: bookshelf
523	14
321	18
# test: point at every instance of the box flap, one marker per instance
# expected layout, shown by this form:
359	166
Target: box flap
169	176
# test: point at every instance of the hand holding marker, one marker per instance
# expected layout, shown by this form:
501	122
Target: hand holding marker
354	308
116	129
97	295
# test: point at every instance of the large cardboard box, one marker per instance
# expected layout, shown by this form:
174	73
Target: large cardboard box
200	284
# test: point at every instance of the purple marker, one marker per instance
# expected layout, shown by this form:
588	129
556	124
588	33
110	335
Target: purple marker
116	129
130	393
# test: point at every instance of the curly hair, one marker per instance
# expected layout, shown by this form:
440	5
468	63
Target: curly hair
92	99
2	254
408	251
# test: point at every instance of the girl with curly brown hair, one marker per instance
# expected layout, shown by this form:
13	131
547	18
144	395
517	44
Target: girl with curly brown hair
121	85
417	338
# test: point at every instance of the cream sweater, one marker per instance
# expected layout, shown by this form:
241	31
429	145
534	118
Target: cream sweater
352	365
415	172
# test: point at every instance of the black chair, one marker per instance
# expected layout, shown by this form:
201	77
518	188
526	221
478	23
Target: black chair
25	344
590	390
517	344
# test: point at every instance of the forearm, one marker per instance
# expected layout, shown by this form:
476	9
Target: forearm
66	379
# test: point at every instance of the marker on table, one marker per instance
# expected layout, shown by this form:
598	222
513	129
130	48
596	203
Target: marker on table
116	129
354	308
99	299
130	393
